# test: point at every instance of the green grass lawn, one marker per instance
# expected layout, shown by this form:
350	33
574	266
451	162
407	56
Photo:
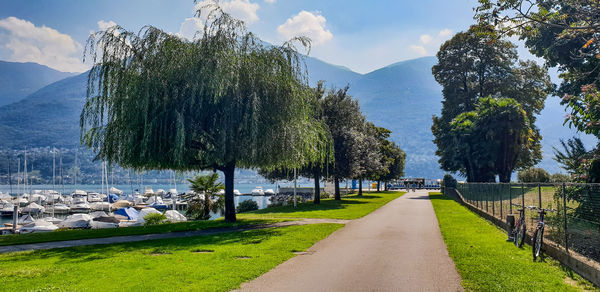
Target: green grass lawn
351	207
139	230
206	263
487	262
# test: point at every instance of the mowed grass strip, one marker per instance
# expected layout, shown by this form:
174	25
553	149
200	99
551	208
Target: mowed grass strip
350	207
486	262
206	263
139	230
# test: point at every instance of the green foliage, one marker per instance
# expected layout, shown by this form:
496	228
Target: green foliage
533	175
560	177
350	207
246	206
471	67
154	219
486	262
205	197
156	101
449	181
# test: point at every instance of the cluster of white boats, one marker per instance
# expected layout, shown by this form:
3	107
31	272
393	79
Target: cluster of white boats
36	211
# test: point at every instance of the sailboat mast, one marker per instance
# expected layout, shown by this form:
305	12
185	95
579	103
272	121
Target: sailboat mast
9	176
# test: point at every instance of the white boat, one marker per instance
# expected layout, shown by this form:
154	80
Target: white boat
22	202
58	208
175	216
40	225
121	204
103	225
25	219
52	220
258	191
148	192
33	208
236	193
269	192
115	191
95	197
77	221
100	206
80	207
6	208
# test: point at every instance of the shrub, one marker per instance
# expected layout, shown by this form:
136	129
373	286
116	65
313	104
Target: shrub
449	181
533	175
247	206
325	195
560	177
155	219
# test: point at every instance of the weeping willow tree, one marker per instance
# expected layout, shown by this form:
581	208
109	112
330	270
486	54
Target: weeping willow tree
225	100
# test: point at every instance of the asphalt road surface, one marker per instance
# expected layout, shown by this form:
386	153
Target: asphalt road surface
396	248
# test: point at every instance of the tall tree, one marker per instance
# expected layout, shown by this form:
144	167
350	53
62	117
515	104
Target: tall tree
474	65
225	100
368	161
344	119
392	158
565	33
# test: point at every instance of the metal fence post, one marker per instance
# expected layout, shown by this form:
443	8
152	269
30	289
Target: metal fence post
540	195
523	195
493	203
510	197
500	193
486	204
564	197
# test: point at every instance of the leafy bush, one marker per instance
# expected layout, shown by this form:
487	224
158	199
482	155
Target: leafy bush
324	195
247	206
560	177
533	175
155	219
449	181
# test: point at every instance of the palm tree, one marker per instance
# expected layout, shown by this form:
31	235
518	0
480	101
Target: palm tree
208	187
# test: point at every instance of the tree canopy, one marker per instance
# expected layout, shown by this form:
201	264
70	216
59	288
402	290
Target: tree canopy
224	100
482	78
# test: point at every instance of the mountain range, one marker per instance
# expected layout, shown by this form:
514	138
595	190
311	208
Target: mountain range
401	97
18	80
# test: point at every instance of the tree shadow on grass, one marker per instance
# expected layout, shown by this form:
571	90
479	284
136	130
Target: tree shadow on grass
151	247
439	197
325	205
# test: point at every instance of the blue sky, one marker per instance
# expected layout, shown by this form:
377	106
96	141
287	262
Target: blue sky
361	35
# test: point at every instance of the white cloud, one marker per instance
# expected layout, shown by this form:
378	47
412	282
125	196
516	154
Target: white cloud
240	9
425	39
306	24
419	50
270	1
190	27
40	44
444	33
104	25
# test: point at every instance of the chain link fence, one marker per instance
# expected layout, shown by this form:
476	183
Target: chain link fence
574	225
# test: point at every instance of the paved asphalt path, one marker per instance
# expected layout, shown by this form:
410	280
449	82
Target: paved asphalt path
396	248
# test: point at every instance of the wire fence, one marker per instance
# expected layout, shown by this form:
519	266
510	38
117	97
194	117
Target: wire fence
574	225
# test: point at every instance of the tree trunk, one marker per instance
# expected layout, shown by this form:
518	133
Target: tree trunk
206	207
385	188
504	178
336	182
360	187
317	177
229	171
378	184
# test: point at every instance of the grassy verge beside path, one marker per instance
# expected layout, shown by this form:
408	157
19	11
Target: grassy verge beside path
351	207
139	230
487	262
205	263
